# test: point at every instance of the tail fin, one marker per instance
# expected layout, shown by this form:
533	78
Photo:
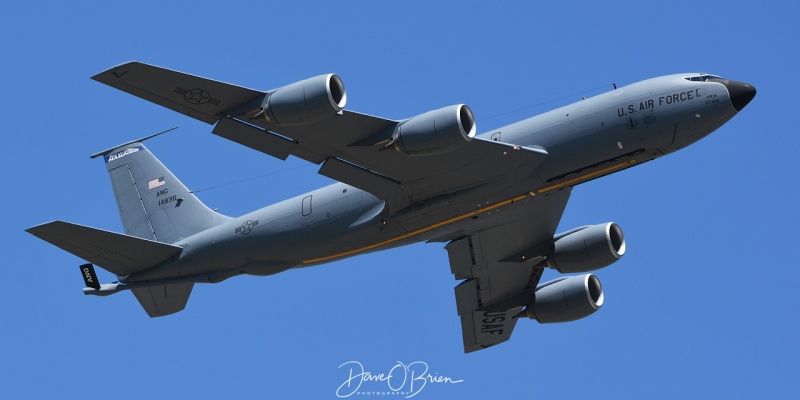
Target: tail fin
153	203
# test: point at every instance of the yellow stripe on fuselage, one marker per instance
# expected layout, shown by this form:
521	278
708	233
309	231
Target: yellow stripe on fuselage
472	213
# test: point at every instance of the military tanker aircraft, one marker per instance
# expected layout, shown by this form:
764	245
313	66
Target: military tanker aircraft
495	199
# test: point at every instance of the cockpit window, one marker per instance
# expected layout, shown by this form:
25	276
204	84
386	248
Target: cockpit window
703	78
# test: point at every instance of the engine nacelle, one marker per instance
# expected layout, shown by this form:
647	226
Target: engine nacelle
566	299
588	248
306	101
435	132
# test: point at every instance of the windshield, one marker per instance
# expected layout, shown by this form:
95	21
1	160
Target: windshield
703	78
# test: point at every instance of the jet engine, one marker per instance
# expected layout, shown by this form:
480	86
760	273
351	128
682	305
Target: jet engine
435	132
588	248
566	299
305	102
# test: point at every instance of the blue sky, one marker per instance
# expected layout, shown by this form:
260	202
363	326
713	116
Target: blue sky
701	306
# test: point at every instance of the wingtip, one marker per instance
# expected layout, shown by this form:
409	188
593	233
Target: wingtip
34	230
112	74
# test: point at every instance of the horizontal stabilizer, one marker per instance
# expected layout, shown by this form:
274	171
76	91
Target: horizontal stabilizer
120	254
199	98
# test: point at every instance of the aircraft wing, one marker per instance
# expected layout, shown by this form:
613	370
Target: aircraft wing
342	143
495	287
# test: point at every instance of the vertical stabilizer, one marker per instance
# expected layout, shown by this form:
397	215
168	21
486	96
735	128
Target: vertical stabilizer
153	203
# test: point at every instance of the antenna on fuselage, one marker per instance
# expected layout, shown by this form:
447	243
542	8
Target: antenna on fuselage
105	152
615	86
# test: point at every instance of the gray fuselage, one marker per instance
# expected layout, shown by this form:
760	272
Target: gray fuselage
584	140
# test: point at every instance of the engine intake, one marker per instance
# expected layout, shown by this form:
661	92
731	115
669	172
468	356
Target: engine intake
435	132
304	102
588	248
566	299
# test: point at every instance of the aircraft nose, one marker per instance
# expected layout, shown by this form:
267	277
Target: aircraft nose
741	93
